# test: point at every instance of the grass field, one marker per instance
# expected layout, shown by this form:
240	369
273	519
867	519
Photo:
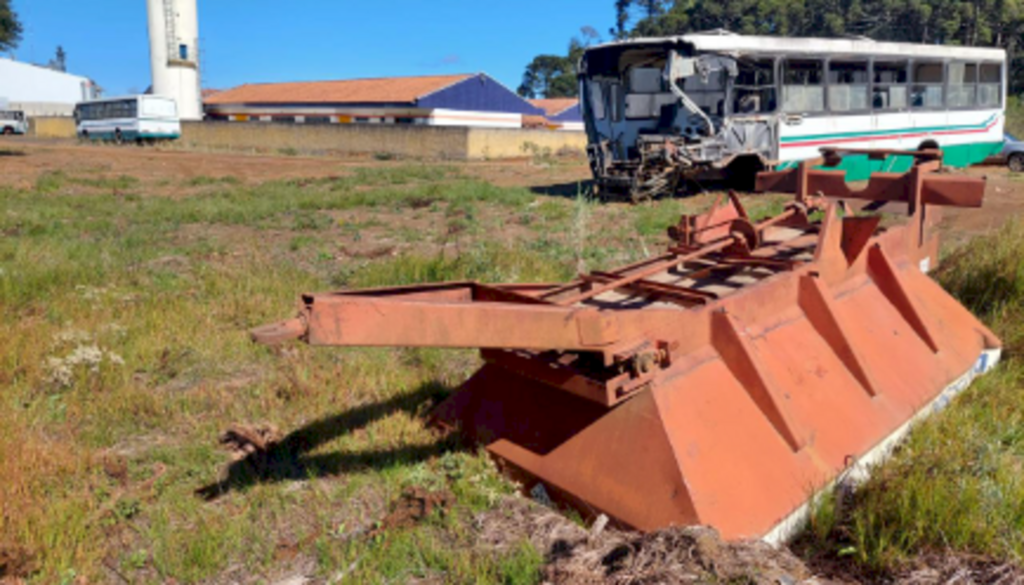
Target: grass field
124	356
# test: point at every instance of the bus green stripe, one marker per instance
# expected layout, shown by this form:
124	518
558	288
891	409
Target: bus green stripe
860	167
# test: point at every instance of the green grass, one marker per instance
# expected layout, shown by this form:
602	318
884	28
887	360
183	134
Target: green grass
956	485
124	319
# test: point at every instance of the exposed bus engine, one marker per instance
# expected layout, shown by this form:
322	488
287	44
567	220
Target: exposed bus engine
658	112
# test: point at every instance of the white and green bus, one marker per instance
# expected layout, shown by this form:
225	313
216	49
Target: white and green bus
661	110
13	122
128	119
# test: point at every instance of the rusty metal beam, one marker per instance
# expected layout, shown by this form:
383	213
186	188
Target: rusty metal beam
350	320
945	190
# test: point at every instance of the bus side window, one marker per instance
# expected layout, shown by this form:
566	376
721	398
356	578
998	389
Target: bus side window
963	84
848	86
890	89
755	87
803	90
926	91
990	85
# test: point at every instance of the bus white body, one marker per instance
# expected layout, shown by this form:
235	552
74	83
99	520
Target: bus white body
13	122
132	118
663	109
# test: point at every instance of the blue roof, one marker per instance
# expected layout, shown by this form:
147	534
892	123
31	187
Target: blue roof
480	93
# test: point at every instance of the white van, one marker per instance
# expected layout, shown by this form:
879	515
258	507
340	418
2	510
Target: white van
133	118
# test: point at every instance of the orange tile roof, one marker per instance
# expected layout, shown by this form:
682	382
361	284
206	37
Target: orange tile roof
354	91
555	106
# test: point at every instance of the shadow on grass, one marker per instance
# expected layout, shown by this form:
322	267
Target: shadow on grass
570	190
288	460
688	188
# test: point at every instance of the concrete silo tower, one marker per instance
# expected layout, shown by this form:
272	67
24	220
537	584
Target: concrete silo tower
174	54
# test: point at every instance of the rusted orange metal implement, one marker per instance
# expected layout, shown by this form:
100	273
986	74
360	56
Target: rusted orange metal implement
722	382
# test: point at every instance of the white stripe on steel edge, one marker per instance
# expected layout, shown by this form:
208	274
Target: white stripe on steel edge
792	525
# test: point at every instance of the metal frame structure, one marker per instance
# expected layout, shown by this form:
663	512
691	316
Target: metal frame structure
721	382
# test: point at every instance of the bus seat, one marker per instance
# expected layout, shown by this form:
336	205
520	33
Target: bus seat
645	80
640	105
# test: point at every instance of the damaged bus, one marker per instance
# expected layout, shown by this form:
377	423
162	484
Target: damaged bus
659	111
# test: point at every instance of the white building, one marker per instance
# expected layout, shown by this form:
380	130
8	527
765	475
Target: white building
39	91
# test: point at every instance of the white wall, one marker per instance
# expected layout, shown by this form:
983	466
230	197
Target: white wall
443	117
52	91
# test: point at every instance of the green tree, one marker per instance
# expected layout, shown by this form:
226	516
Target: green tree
10	27
548	76
991	23
554	76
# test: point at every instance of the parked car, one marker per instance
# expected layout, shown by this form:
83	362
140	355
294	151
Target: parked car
1012	154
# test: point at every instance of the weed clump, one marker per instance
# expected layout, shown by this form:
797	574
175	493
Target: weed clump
987	276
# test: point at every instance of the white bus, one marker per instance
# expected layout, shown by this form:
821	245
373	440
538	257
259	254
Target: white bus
133	118
660	110
12	122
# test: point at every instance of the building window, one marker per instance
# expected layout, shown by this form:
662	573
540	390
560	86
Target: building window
283	119
318	120
362	120
405	120
183	52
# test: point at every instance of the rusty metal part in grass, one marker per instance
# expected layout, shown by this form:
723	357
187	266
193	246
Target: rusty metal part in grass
723	382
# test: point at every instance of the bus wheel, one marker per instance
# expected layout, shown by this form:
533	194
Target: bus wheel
741	174
1016	162
8	130
118	137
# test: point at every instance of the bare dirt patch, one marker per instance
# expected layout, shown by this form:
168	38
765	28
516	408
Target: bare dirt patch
167	171
1004	200
415	505
677	555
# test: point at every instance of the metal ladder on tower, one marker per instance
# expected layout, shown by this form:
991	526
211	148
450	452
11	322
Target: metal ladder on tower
169	28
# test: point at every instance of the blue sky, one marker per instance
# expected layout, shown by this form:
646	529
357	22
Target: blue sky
260	40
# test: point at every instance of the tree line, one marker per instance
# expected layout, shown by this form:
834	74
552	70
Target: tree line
10	26
982	23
